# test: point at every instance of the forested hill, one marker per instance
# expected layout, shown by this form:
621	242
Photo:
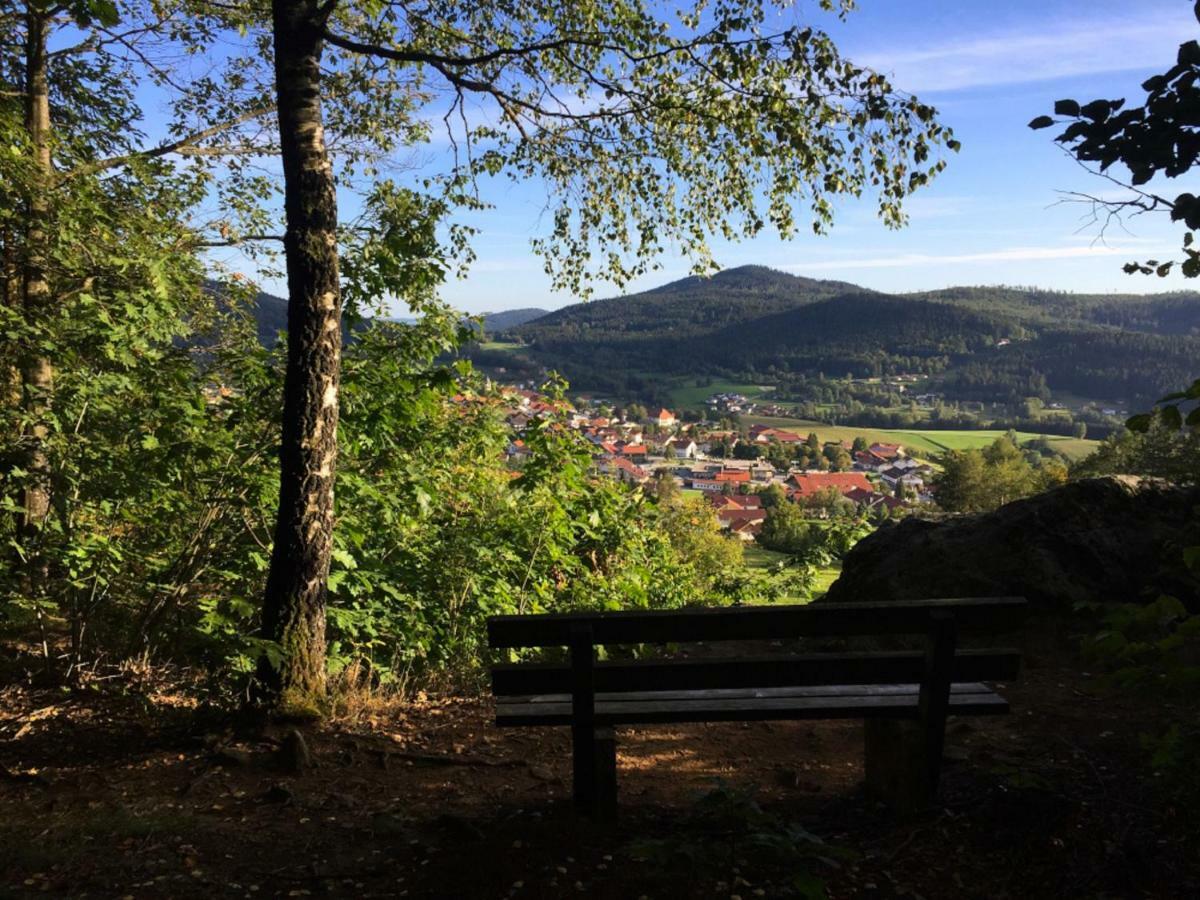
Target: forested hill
510	318
982	342
685	308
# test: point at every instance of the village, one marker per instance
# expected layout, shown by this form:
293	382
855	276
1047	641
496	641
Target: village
741	472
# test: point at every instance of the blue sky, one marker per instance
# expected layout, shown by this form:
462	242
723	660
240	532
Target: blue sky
991	217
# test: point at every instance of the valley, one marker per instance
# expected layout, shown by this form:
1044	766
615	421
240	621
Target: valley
934	366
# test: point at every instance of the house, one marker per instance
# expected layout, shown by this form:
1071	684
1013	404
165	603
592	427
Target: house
897	475
766	435
887	451
735	501
741	521
805	484
664	419
746	530
684	447
624	470
873	499
733	476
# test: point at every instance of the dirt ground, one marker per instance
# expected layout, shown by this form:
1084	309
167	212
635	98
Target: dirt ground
123	791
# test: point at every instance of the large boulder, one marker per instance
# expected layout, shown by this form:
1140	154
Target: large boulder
1114	539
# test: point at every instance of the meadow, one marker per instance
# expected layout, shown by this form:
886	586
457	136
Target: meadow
922	441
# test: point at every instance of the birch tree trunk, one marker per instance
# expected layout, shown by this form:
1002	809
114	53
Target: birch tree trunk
294	606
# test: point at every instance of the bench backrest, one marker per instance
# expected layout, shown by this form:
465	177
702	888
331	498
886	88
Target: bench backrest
582	631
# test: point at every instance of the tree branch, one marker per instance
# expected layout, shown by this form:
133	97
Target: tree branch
182	145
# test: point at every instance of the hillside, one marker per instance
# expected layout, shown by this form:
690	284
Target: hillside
510	318
979	343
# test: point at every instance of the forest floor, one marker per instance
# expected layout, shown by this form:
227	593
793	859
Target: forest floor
121	791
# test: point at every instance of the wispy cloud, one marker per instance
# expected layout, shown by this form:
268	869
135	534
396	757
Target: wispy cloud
1058	49
1009	254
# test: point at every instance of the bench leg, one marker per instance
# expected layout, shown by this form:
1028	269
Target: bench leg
897	766
606	774
594	764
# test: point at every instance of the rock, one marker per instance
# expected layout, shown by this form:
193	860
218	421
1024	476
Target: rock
293	755
1112	539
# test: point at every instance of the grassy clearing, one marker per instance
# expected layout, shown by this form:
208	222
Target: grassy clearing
500	345
689	394
931	442
761	558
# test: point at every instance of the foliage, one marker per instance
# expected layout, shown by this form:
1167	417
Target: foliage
1154	649
788	529
983	480
1156	138
1158	452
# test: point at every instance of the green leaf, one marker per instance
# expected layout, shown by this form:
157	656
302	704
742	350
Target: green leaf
1041	122
1066	108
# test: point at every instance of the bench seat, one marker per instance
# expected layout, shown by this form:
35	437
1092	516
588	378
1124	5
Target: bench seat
903	695
898	701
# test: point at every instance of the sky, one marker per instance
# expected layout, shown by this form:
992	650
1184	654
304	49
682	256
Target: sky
992	217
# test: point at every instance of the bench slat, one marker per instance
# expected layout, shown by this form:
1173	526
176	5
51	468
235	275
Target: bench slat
754	623
754	671
720	709
820	690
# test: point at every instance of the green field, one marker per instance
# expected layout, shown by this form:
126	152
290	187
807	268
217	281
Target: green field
918	442
687	394
500	345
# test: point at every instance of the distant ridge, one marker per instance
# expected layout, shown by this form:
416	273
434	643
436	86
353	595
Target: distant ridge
984	343
510	318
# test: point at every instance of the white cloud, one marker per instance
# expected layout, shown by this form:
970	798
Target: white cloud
908	260
1058	49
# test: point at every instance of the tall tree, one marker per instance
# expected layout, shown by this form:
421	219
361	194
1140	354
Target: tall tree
645	124
294	605
76	167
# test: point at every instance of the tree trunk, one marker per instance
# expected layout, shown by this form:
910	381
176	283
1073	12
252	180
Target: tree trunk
37	375
294	606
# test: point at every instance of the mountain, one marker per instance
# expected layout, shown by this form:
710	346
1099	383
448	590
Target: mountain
981	343
510	318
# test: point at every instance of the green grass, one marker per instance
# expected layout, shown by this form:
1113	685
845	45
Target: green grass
826	575
687	394
759	559
500	345
917	441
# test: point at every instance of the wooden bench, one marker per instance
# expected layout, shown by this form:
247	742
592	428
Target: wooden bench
904	695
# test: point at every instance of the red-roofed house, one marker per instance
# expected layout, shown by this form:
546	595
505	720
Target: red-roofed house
887	451
625	470
733	476
806	484
735	519
766	435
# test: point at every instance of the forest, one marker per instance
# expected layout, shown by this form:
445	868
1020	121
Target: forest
757	324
